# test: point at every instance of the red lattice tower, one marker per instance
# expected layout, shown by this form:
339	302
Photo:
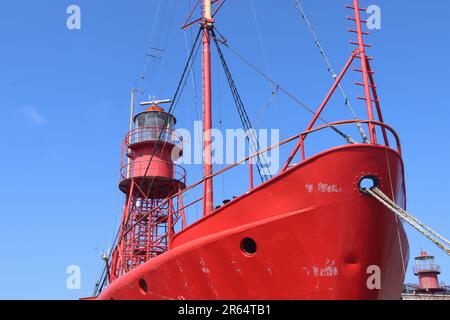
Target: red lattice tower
149	178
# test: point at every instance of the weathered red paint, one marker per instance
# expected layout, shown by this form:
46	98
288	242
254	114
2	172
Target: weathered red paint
311	243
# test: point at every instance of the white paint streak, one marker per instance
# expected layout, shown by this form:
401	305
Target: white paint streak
323	188
327	270
328	188
205	270
236	268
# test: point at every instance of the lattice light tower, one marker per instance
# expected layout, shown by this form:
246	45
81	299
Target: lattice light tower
427	271
149	178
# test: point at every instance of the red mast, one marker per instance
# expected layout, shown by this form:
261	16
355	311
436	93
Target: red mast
206	24
364	68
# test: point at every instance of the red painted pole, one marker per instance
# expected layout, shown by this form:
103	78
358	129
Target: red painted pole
181	205
170	224
250	164
319	111
207	115
122	236
363	58
332	90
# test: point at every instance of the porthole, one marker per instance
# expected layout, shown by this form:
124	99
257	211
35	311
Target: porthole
248	246
143	286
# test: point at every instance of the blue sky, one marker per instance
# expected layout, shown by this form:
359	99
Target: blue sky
65	95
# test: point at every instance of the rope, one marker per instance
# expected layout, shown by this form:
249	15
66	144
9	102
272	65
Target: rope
441	242
224	42
386	198
331	71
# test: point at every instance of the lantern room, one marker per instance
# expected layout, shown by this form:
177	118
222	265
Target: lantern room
151	149
155	118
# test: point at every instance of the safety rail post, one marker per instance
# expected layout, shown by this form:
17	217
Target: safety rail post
302	147
183	216
170	224
122	231
131	126
250	164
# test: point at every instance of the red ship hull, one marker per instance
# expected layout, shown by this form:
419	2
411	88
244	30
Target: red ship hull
317	236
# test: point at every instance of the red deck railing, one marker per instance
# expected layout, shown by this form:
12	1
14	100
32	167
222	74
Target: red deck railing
181	214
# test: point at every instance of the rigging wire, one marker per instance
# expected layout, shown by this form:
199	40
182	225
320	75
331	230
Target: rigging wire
147	56
106	244
264	54
193	82
164	38
331	70
223	41
161	43
263	170
260	38
396	218
219	109
267	105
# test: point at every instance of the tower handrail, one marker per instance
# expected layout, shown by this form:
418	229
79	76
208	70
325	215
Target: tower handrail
427	268
153	133
127	170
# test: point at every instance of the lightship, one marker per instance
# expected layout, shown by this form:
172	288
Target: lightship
308	232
